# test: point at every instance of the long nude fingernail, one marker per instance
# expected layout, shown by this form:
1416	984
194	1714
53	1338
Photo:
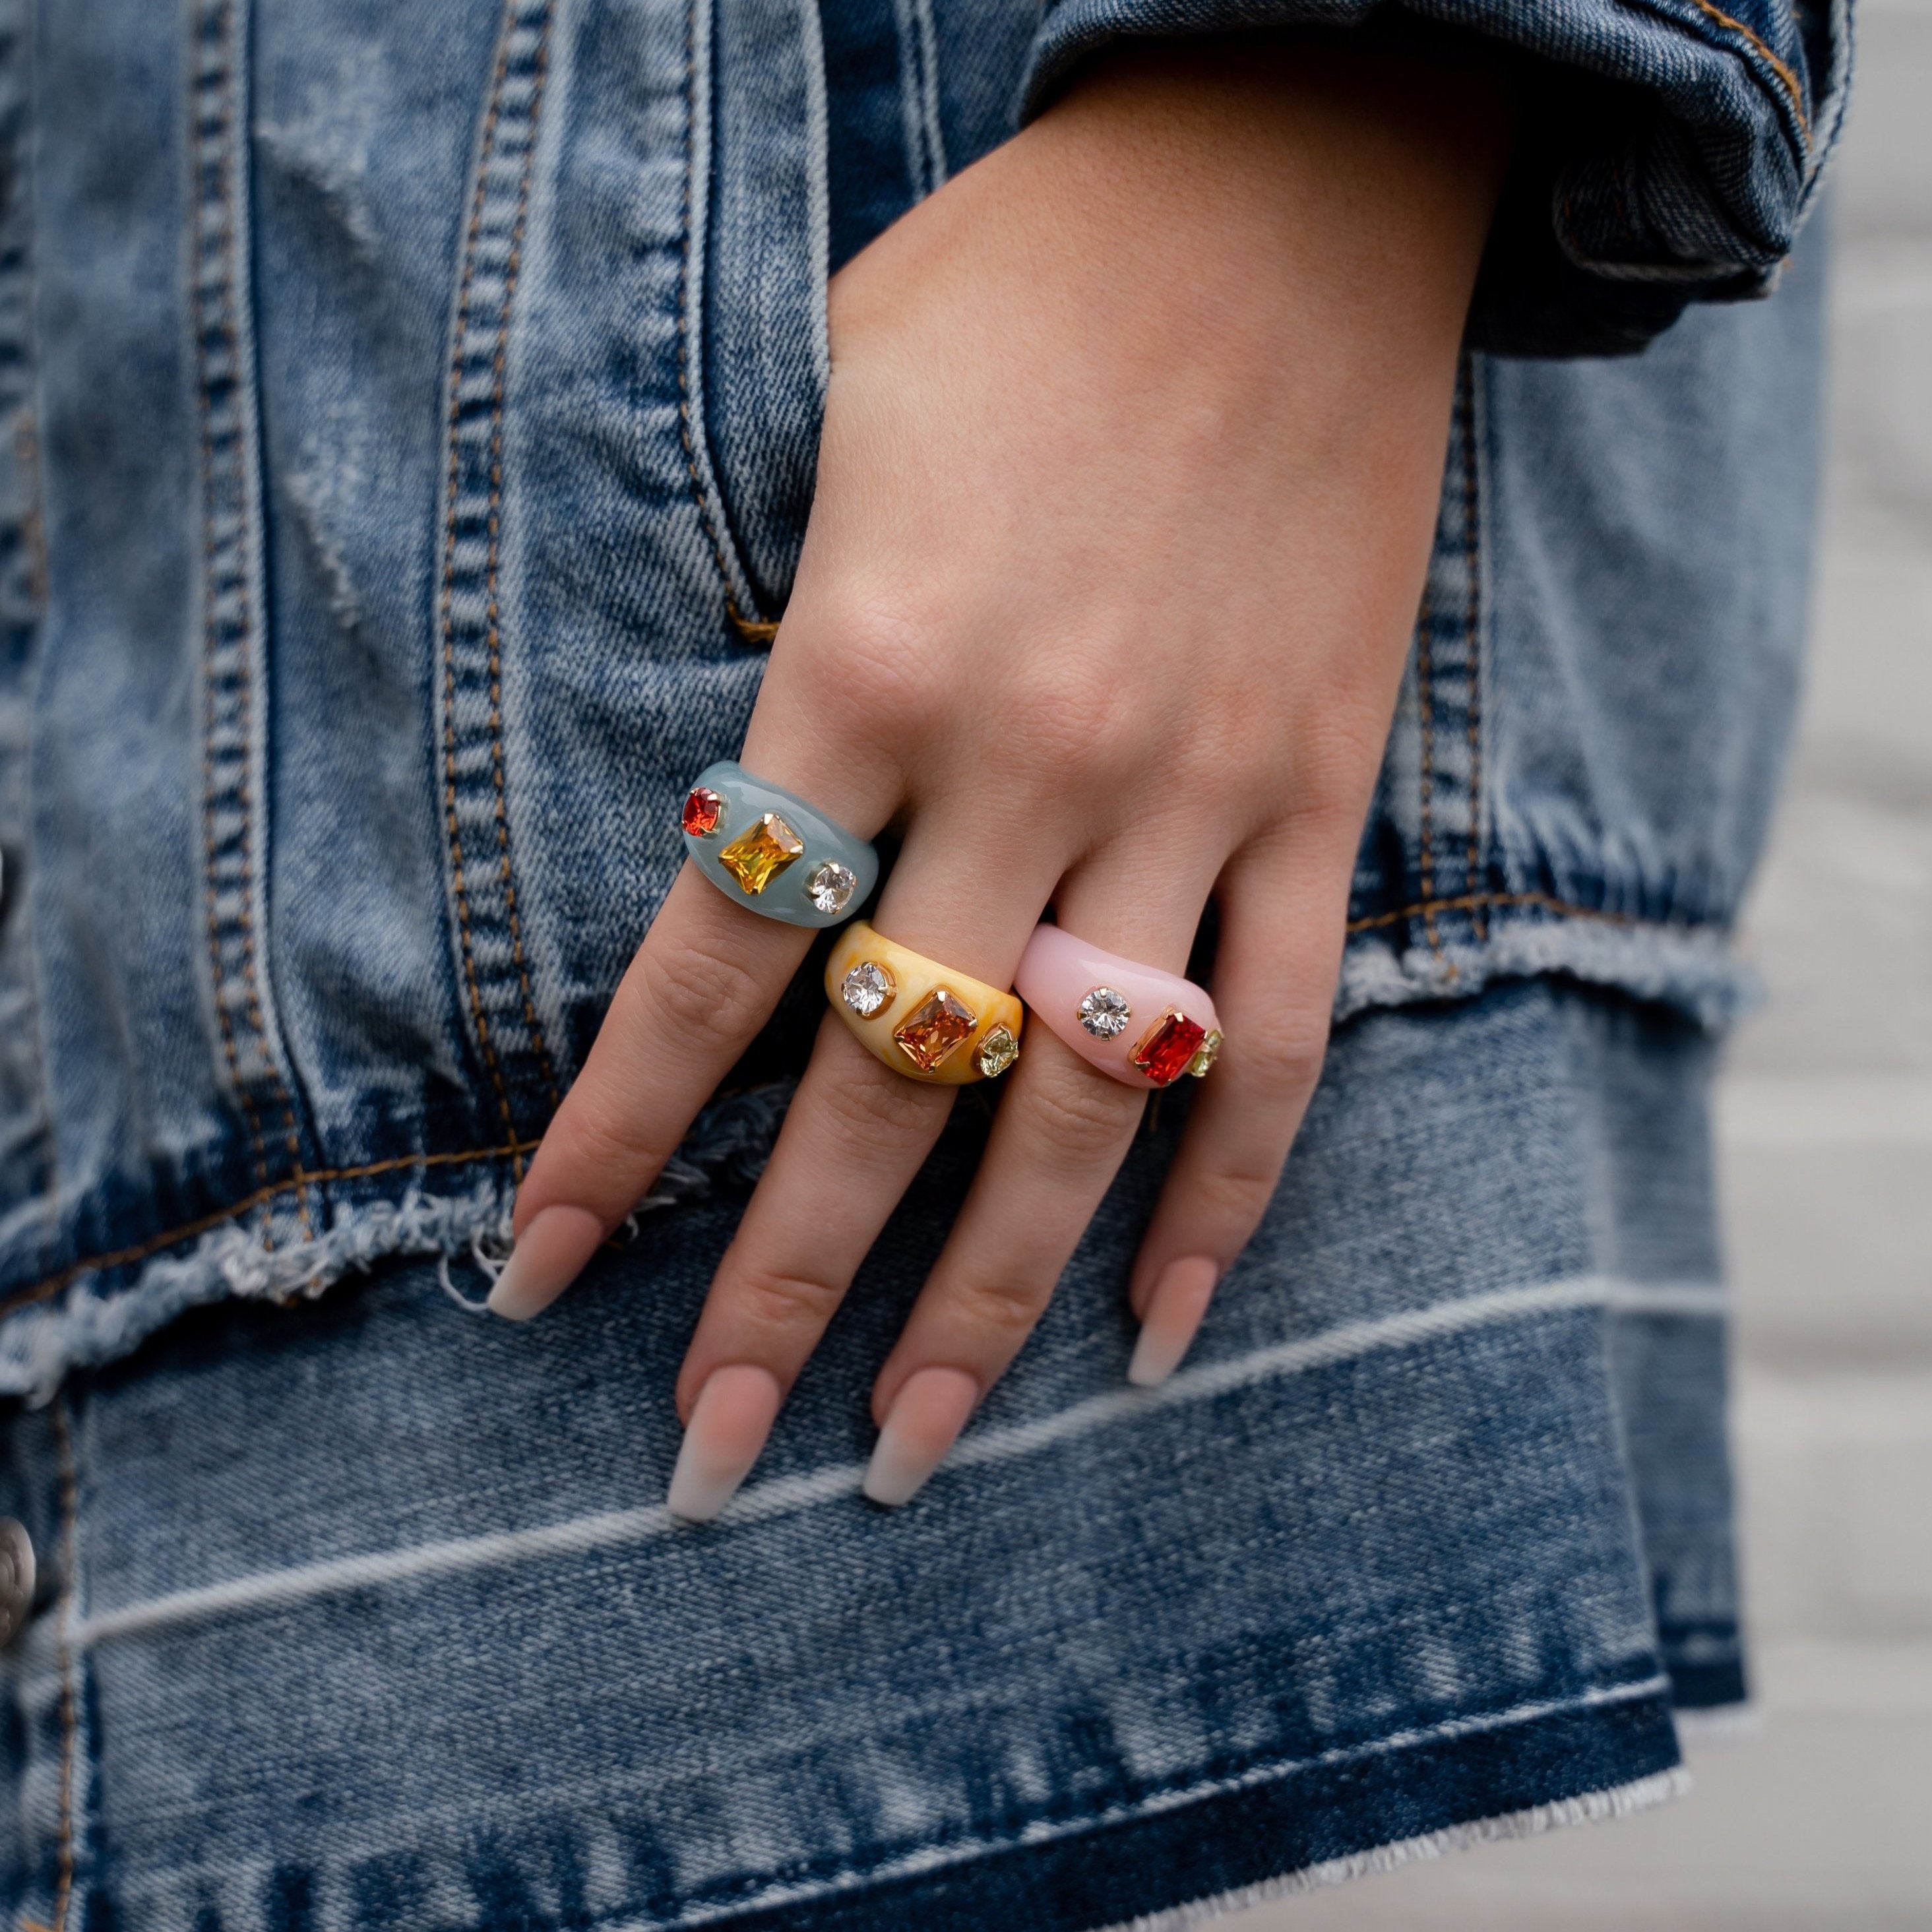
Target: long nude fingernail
924	1421
730	1421
1174	1311
549	1256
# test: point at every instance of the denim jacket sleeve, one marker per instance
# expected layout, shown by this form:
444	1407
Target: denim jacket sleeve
1668	151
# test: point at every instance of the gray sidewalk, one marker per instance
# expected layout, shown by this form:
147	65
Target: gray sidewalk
1822	1817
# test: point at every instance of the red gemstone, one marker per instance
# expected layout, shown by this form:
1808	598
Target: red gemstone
1167	1047
701	811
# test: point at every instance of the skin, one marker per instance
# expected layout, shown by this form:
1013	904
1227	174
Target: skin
1129	477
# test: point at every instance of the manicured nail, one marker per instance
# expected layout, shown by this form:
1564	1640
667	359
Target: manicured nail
549	1256
1174	1311
925	1419
730	1421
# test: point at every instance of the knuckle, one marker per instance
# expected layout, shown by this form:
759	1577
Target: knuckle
1079	1118
1006	1310
874	1108
1282	1062
877	673
1067	722
783	1303
698	994
1232	1197
1336	756
607	1139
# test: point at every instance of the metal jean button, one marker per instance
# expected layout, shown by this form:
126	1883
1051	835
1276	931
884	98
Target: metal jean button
16	1577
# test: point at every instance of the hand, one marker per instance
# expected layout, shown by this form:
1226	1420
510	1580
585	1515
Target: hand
1129	477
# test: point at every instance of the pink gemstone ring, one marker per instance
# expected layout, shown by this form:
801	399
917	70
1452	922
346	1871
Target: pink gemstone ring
1143	1026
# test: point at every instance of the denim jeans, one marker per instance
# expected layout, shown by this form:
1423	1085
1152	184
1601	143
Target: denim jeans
412	413
372	1615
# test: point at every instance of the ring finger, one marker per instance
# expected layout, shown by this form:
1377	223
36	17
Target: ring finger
1060	1136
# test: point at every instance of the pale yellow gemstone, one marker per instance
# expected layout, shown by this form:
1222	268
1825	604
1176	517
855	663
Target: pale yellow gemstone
996	1052
755	858
1206	1054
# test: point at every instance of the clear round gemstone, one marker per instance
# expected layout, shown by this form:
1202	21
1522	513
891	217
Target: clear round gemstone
867	988
996	1052
829	888
1105	1013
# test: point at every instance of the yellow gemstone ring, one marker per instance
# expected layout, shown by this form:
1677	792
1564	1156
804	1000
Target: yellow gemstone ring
921	1018
772	852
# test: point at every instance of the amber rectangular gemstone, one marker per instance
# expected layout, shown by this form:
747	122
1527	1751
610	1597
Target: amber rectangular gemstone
1167	1046
939	1025
755	858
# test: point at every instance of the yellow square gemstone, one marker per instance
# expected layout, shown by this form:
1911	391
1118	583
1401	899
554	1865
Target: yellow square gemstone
755	858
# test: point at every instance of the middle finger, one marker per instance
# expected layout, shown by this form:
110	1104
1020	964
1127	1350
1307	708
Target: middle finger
854	1136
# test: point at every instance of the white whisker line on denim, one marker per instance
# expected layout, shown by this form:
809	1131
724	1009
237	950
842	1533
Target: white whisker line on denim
1667	1298
1284	1358
936	1858
785	1495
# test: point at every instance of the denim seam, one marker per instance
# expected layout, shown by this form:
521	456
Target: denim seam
1474	870
230	693
69	1716
1425	687
20	207
1545	902
512	1150
462	506
27	447
750	630
923	130
1793	90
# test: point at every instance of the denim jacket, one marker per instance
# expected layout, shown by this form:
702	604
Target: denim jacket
413	410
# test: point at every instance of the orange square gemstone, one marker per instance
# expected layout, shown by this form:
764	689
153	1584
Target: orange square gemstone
755	858
1168	1046
939	1025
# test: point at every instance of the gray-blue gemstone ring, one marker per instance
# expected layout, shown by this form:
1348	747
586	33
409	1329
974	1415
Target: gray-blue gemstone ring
767	849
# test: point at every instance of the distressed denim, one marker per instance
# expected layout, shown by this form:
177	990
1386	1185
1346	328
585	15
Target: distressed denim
412	412
372	1614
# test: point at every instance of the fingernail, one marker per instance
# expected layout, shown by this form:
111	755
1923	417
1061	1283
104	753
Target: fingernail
924	1420
1174	1311
549	1256
730	1421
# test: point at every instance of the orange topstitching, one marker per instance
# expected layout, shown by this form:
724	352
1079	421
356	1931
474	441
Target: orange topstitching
1777	67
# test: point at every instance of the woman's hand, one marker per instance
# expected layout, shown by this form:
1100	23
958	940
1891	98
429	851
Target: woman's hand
1129	477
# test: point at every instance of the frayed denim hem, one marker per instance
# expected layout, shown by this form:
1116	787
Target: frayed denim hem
1591	1807
1281	1829
104	1313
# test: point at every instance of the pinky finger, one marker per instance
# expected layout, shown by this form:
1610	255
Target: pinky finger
1274	982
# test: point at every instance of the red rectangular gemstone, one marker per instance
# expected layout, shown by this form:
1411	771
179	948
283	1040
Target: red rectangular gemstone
1167	1046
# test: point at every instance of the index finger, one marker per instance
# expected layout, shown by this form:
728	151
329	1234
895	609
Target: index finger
703	982
706	977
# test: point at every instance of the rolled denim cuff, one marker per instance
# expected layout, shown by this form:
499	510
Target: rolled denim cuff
1668	152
